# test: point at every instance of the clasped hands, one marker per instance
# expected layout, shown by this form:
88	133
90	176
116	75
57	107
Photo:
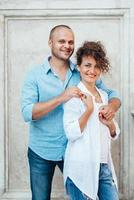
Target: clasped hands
106	112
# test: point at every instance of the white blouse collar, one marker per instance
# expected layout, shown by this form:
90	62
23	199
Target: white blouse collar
83	88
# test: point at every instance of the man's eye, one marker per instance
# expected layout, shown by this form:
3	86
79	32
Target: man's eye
61	41
71	42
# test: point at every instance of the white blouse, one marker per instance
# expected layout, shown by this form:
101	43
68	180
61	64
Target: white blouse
104	140
83	152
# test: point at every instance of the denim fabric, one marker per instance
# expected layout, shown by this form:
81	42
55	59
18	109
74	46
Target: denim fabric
73	191
107	189
41	175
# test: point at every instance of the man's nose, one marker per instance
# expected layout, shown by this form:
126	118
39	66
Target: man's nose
67	45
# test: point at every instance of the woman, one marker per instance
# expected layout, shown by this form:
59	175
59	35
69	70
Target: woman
88	167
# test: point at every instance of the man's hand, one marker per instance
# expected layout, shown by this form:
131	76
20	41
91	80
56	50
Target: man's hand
107	112
71	92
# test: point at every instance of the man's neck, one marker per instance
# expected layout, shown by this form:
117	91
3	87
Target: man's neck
60	67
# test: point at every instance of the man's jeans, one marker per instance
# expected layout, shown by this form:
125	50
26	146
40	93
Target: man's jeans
41	175
106	191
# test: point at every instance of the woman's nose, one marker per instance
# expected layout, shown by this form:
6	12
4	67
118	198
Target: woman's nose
92	69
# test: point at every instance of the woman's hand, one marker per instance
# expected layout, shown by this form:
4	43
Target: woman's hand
86	115
103	119
109	123
88	100
107	111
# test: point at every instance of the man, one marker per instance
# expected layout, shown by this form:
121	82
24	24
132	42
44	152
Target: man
45	89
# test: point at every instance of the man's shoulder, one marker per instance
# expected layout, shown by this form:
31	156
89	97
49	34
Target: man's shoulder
102	92
98	83
35	69
33	73
104	95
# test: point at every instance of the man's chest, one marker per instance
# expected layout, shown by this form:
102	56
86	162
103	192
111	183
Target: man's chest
51	86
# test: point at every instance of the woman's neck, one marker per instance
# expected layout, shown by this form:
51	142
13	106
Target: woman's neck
92	89
90	86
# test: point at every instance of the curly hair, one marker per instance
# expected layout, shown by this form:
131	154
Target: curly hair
95	50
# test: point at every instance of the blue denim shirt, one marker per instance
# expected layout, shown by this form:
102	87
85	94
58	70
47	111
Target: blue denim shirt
47	137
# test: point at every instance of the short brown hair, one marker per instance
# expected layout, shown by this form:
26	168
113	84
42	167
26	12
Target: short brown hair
56	27
95	50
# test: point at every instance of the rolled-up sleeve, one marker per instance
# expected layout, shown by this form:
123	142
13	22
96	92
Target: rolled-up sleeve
111	93
71	119
117	129
29	96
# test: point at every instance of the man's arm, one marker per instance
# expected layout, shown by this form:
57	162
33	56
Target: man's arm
43	108
32	109
115	104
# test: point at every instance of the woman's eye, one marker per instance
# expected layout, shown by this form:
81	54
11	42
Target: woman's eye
88	66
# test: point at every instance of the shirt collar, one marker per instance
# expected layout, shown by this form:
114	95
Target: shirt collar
47	66
83	88
72	66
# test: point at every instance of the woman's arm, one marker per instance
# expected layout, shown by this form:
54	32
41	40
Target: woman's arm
112	125
88	101
114	101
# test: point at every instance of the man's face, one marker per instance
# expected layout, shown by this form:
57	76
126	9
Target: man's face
62	43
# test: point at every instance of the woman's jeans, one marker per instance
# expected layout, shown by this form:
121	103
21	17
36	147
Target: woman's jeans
106	191
41	175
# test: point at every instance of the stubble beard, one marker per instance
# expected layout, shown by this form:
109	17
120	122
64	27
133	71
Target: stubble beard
60	57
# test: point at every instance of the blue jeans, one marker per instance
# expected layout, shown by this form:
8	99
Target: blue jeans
107	188
41	175
106	191
73	191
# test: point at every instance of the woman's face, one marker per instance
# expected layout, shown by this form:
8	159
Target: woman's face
88	69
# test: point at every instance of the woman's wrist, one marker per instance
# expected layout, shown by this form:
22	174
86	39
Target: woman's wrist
112	128
89	110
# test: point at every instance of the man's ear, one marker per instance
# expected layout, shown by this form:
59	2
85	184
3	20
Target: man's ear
50	43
